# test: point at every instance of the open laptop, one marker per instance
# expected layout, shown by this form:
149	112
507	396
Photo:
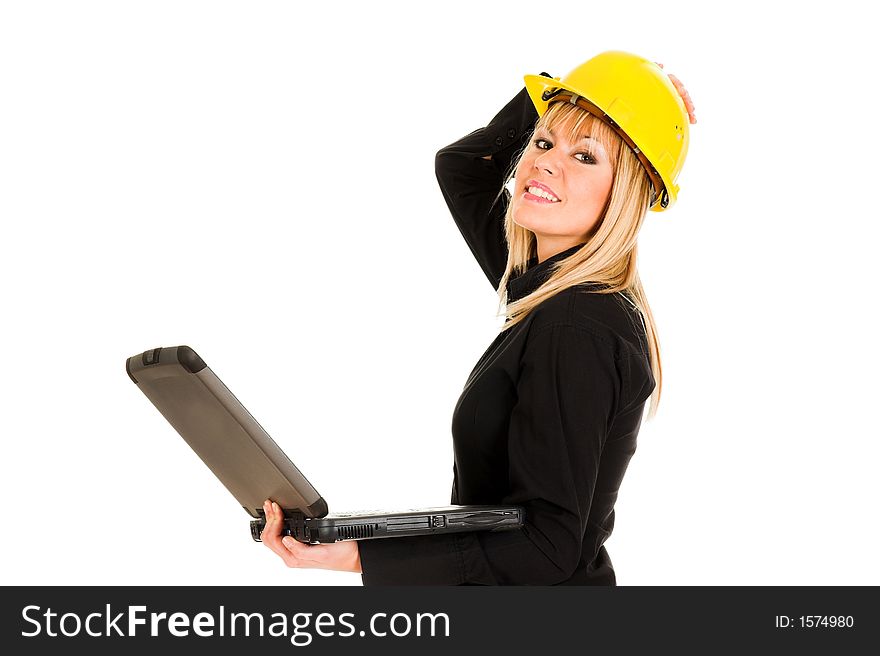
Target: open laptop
254	468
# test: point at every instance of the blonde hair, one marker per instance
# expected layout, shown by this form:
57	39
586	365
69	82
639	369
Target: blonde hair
608	257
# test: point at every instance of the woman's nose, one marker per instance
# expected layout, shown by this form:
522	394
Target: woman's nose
547	162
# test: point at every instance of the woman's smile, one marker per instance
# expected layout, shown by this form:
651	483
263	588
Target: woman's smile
540	193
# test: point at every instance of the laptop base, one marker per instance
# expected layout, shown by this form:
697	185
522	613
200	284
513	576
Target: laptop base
366	526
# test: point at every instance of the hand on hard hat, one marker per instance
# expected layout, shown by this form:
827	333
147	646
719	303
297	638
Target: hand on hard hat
685	96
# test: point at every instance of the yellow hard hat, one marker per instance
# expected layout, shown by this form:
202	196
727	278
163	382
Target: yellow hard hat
638	100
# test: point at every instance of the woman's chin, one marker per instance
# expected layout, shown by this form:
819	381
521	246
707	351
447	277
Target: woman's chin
524	219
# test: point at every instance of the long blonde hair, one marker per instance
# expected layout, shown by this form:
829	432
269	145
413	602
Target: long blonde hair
608	257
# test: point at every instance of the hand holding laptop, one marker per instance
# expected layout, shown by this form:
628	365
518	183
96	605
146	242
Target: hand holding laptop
340	556
253	467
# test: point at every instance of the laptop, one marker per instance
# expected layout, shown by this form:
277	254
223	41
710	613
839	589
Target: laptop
254	468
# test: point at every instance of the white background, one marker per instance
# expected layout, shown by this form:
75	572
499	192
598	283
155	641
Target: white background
256	180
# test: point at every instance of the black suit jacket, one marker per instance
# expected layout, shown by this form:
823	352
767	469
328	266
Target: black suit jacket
548	417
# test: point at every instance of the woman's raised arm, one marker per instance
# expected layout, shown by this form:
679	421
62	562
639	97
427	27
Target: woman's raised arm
471	173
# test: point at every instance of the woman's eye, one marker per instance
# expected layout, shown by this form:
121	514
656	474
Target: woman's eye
544	144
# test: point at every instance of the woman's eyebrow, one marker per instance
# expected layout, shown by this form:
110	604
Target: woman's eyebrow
597	144
585	136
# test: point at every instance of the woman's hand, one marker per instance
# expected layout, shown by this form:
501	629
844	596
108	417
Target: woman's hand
685	96
341	556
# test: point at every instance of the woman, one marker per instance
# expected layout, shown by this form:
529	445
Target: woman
548	418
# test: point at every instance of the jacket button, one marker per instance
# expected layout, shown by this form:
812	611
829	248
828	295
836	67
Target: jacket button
511	133
499	141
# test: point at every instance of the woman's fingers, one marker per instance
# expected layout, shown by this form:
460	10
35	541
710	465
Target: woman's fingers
301	555
271	535
293	553
297	554
681	90
685	96
343	556
340	556
272	528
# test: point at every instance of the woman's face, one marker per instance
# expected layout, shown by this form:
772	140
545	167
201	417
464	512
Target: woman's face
561	188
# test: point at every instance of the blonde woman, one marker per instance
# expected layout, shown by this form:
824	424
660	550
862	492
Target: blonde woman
549	417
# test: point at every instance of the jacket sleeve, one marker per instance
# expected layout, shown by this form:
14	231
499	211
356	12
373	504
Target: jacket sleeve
567	395
473	186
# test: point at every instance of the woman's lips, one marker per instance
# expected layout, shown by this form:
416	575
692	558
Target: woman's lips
538	192
538	199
